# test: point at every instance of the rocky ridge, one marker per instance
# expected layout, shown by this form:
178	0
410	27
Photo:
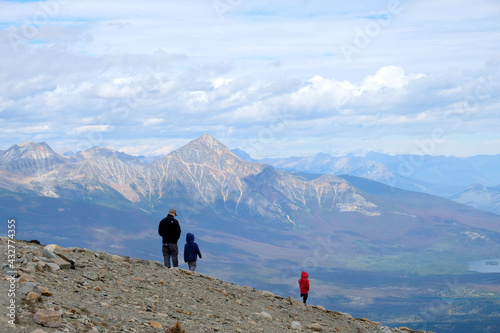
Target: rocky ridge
203	171
76	290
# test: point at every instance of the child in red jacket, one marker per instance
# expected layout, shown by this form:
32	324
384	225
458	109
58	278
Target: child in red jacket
304	286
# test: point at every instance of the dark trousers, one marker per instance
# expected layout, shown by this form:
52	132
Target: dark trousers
304	297
170	250
192	265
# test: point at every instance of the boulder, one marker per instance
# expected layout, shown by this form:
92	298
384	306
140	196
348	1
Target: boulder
104	256
266	293
53	266
45	291
315	327
49	254
294	302
63	264
26	287
40	266
27	278
48	318
117	257
51	247
66	257
32	297
91	275
266	315
155	324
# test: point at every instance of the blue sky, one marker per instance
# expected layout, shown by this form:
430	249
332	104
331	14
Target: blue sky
276	79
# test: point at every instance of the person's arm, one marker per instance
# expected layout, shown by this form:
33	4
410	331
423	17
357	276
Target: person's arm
197	250
185	253
178	230
160	231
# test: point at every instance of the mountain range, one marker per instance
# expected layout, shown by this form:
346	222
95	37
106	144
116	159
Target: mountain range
204	172
446	176
256	224
206	180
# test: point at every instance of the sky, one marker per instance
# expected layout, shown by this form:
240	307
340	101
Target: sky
273	78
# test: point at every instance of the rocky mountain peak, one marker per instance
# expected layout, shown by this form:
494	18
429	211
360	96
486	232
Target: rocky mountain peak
209	141
206	150
106	153
97	151
30	158
30	149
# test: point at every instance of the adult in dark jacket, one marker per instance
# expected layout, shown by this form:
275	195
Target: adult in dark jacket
170	231
191	251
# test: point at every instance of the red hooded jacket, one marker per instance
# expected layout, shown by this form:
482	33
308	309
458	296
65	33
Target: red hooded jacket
304	283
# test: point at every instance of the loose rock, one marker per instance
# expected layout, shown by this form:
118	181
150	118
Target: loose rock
48	317
315	327
296	326
27	278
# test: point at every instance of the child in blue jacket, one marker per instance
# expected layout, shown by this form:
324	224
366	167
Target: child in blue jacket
191	251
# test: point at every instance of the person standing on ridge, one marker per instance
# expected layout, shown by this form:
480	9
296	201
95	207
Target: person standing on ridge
304	286
170	231
191	251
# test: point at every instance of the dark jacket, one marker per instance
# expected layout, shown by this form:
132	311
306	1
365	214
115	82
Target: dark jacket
304	283
169	229
191	249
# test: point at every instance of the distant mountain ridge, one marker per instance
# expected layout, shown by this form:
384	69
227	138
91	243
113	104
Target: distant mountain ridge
438	175
202	171
439	170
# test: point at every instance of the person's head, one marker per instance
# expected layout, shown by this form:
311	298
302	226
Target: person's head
172	212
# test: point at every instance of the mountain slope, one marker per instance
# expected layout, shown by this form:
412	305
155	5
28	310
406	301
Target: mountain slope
351	260
480	197
113	293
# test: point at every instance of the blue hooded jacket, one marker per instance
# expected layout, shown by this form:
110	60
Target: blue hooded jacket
191	249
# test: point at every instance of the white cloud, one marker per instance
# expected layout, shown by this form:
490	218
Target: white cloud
92	128
152	121
119	68
26	130
107	90
5	103
392	77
